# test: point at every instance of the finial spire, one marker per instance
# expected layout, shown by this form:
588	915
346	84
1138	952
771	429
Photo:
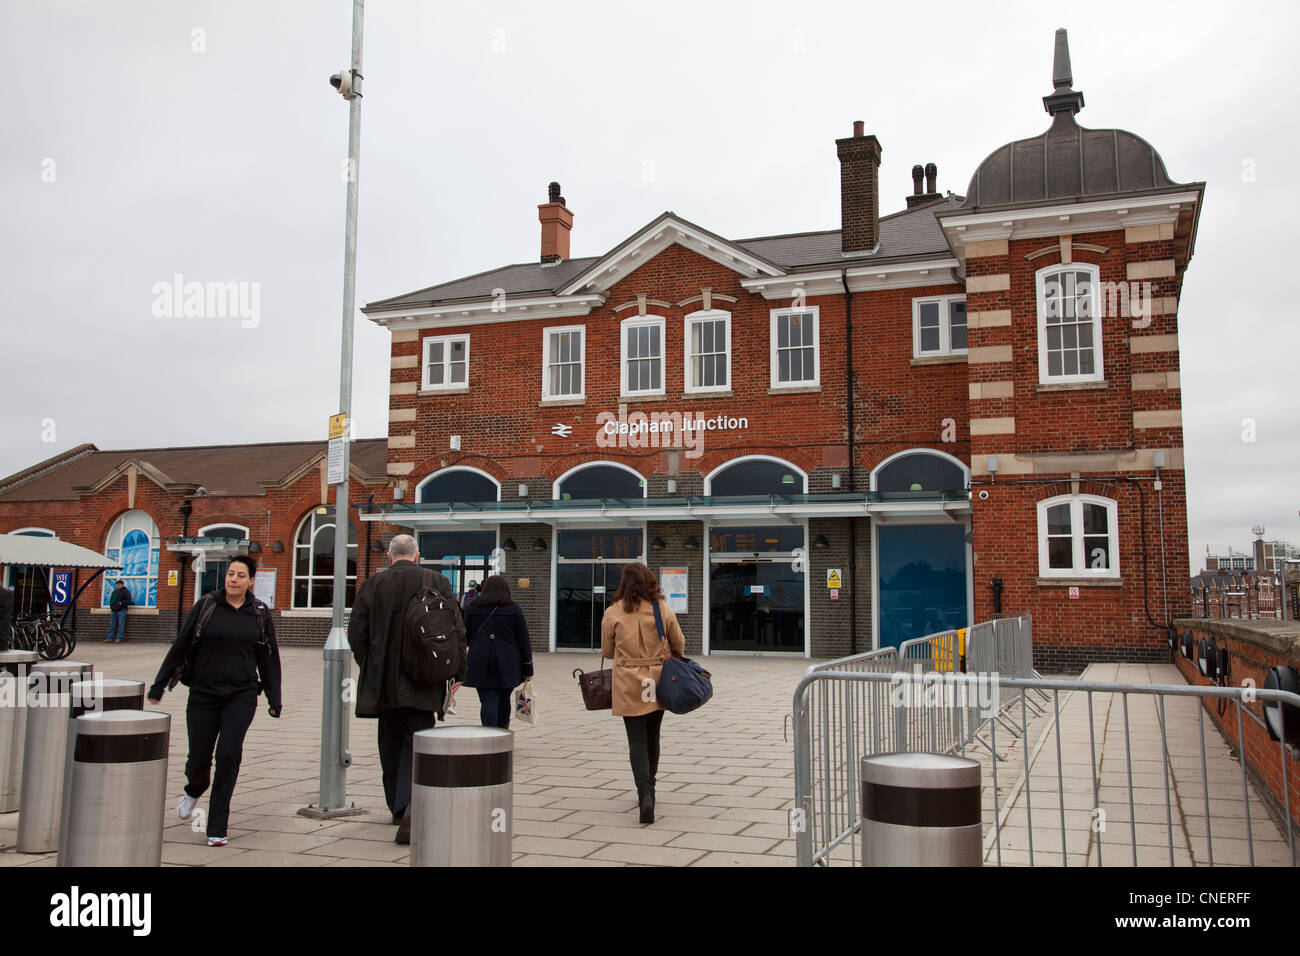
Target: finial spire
1063	99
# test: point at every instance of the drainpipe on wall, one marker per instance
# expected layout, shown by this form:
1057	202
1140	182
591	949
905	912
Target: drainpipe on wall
853	484
186	509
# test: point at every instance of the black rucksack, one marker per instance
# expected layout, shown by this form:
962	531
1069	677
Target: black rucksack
432	633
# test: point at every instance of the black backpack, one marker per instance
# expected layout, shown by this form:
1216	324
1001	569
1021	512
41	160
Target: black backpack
432	634
185	672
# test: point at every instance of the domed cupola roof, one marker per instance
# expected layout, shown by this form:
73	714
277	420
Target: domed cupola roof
1067	162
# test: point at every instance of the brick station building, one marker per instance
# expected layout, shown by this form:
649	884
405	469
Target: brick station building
824	442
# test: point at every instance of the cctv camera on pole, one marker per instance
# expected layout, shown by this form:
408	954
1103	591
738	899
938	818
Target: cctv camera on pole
335	757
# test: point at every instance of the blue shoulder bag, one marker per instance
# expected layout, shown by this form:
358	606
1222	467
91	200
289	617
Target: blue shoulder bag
684	685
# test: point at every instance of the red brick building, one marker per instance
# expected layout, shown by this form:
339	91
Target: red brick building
825	441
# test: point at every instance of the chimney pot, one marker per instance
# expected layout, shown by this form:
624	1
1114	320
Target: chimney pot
859	128
918	172
557	223
931	174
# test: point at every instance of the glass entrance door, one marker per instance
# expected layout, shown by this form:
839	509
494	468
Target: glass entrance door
756	605
922	580
213	577
585	589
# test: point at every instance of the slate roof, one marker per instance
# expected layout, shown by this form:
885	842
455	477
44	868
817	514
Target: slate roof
221	469
909	234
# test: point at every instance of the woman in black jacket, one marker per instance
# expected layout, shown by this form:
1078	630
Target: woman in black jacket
500	656
229	642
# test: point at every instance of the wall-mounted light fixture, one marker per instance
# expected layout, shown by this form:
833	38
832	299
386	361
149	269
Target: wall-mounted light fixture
691	544
455	443
509	545
1207	658
820	542
377	546
539	544
523	490
398	493
672	486
992	466
1283	720
657	544
1188	646
836	480
277	547
254	547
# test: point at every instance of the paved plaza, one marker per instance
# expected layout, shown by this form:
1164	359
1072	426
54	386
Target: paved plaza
725	787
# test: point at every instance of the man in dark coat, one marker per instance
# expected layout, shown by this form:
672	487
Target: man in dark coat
6	618
402	705
118	602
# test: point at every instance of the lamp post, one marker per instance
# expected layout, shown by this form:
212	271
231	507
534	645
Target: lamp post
334	755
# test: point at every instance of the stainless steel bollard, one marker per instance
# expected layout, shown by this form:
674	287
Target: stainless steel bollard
118	790
92	696
45	751
920	809
14	667
462	797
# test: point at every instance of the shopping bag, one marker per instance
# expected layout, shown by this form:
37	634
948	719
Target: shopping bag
526	703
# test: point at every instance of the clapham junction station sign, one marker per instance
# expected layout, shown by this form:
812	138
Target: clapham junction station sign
673	429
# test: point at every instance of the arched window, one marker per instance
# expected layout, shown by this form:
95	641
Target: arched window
756	476
133	543
234	532
600	481
458	484
919	470
313	565
30	585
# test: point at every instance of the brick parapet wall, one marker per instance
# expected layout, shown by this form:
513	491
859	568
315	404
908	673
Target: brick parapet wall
1253	648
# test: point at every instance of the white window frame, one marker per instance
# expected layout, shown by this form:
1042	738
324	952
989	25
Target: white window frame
135	519
546	363
1040	282
1080	567
638	322
774	365
446	385
319	522
945	326
709	315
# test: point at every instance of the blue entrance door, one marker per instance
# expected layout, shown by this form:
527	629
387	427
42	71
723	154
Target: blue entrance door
922	580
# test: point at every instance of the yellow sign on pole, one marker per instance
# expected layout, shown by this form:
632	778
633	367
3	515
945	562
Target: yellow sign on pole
338	425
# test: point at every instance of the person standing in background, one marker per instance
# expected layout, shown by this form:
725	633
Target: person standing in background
118	602
6	618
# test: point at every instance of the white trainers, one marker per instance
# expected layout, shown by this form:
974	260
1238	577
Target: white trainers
185	807
217	841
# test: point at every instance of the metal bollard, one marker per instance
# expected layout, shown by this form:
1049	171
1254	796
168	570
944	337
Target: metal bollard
14	667
920	809
92	696
118	791
462	797
49	701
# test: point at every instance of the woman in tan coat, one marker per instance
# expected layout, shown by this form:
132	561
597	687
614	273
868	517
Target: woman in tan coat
630	638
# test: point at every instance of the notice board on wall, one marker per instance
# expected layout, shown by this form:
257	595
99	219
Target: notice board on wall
673	582
264	586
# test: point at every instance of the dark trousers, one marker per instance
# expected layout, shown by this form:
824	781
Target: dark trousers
220	723
397	727
494	706
643	751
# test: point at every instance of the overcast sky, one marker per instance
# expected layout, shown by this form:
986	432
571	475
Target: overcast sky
142	140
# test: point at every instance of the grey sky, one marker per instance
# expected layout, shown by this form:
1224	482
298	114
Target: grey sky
225	165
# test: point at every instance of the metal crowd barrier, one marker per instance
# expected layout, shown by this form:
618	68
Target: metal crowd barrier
1102	812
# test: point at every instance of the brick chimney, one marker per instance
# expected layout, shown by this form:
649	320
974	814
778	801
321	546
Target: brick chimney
918	198
859	191
557	223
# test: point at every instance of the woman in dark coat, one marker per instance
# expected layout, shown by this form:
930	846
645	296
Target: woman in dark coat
500	655
236	646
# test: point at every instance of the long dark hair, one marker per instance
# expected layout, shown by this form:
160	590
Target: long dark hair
638	584
494	592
